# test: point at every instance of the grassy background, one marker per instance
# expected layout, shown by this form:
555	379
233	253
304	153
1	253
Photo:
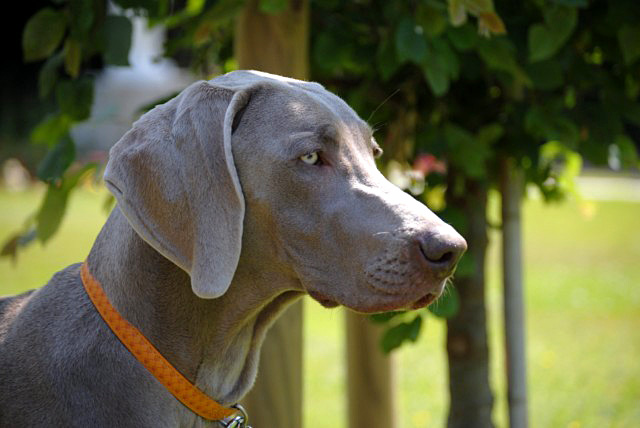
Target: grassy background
582	271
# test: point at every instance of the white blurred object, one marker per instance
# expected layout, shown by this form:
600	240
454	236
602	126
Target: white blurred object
120	92
15	176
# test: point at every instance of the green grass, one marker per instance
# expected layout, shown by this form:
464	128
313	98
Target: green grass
582	271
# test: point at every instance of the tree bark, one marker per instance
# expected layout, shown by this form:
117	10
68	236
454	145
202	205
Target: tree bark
514	326
370	376
277	44
470	394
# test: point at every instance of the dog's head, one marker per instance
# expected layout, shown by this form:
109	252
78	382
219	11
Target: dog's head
294	166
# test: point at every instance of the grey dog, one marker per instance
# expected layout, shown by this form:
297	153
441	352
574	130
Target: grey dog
235	198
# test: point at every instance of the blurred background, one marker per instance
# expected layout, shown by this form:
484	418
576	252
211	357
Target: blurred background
517	122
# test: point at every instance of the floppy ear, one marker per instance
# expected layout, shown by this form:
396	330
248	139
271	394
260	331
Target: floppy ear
175	180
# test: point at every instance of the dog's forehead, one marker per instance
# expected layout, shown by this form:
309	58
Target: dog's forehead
299	96
305	106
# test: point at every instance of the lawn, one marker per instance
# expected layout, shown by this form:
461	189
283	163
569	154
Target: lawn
582	271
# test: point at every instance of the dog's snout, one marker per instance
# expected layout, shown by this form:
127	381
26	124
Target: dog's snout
442	251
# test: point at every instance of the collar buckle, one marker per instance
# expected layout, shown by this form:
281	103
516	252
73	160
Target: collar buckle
240	420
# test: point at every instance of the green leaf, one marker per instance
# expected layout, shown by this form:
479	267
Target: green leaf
447	305
549	124
75	97
54	205
433	21
10	247
57	161
489	134
273	7
385	316
629	39
437	78
410	42
118	31
465	151
51	130
546	39
72	57
49	74
396	335
499	54
16	241
463	38
546	75
42	34
81	18
51	212
440	66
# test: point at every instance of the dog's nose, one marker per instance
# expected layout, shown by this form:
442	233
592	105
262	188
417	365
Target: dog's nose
442	251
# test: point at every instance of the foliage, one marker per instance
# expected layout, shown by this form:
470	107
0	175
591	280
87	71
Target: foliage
546	82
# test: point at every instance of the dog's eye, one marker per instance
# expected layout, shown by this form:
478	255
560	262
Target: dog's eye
311	158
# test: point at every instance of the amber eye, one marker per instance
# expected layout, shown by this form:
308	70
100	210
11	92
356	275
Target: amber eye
311	158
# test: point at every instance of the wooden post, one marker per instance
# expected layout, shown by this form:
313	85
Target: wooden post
511	186
277	44
370	376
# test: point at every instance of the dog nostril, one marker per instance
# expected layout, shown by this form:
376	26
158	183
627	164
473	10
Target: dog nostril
442	252
435	254
445	258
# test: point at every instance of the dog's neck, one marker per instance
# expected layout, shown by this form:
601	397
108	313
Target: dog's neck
214	343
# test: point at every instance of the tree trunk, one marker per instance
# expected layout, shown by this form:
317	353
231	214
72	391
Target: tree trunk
471	397
514	327
370	378
277	44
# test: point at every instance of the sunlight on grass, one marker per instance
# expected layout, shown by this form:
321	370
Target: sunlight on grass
582	270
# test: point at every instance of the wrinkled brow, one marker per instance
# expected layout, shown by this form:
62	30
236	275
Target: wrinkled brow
311	140
328	134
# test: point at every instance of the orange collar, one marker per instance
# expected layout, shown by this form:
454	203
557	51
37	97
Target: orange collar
150	357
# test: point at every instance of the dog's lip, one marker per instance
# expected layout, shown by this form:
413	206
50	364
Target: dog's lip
424	301
323	299
387	302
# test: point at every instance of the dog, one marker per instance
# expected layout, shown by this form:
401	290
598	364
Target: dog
234	199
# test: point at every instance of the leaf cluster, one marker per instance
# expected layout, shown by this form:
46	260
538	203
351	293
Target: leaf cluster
72	40
549	83
523	75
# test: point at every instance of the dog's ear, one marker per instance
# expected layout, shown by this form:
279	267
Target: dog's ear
175	180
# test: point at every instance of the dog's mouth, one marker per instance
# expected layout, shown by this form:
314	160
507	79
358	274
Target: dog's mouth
323	300
383	306
425	301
